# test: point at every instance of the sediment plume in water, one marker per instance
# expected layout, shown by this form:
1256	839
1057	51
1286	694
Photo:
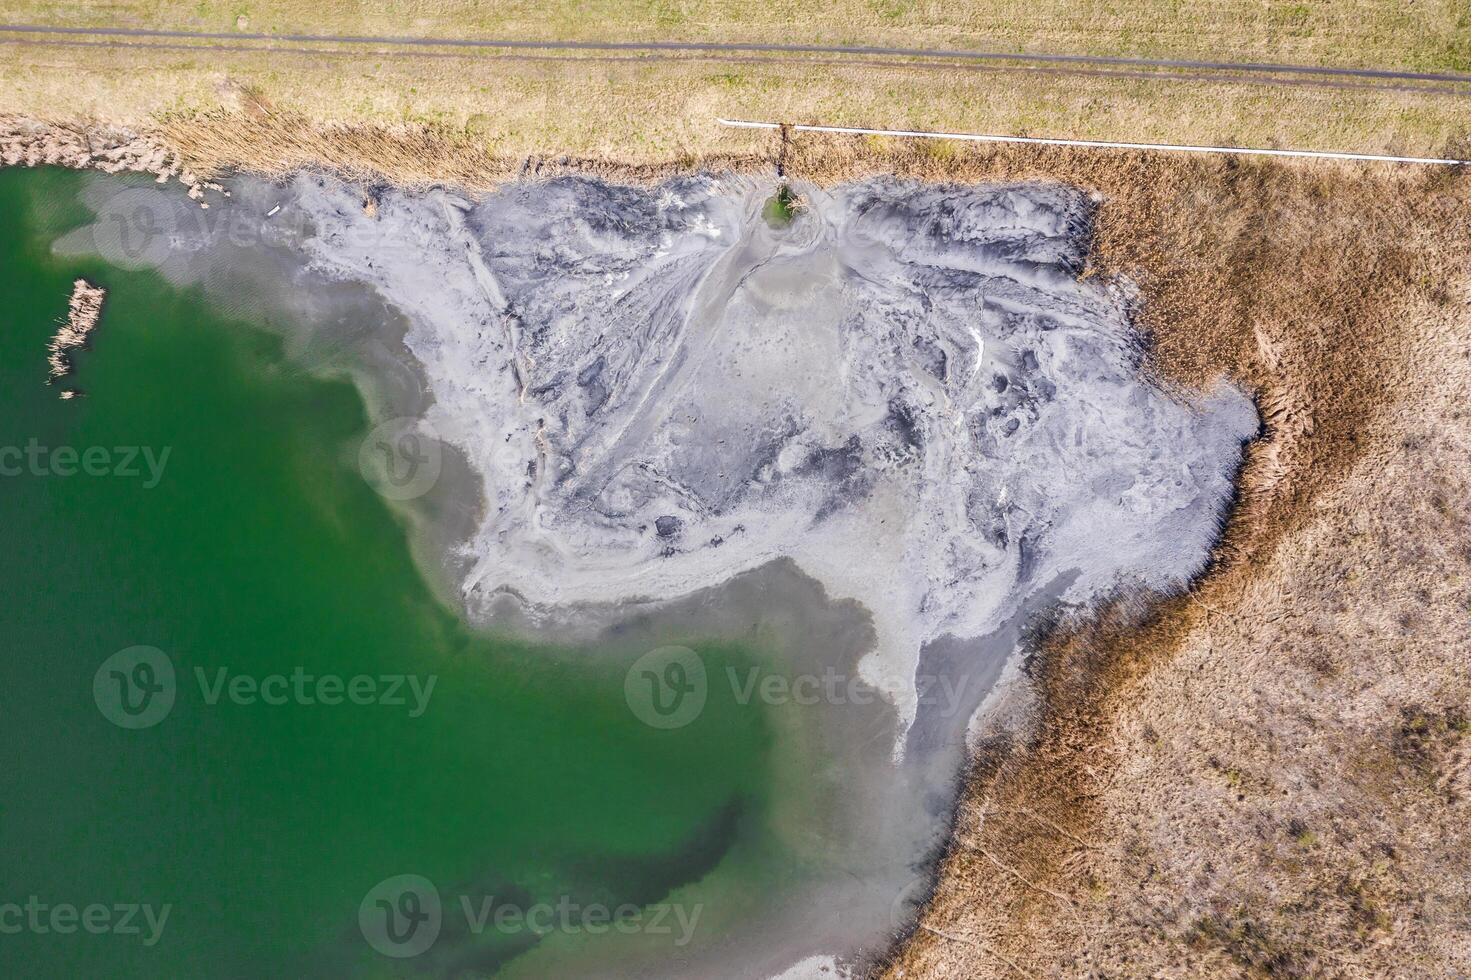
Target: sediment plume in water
900	427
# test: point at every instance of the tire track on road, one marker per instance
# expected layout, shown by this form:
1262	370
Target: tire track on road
1263	68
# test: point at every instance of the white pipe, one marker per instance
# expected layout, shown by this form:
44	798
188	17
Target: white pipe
1175	147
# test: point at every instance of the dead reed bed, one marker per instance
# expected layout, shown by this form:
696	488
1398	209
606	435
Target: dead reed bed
1205	788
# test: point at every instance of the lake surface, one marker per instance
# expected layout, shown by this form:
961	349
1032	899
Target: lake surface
246	837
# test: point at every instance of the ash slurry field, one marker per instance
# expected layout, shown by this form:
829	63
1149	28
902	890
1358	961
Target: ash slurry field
908	391
907	407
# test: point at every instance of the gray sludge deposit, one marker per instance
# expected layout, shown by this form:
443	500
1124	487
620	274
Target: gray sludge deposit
908	402
909	392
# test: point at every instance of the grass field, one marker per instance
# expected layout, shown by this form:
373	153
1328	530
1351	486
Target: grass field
1427	34
468	115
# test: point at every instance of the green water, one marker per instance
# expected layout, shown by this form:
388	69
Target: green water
262	549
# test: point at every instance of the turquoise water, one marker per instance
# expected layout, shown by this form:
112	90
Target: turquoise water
255	545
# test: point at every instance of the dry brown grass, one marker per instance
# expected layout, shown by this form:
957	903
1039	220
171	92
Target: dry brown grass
471	117
1265	777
